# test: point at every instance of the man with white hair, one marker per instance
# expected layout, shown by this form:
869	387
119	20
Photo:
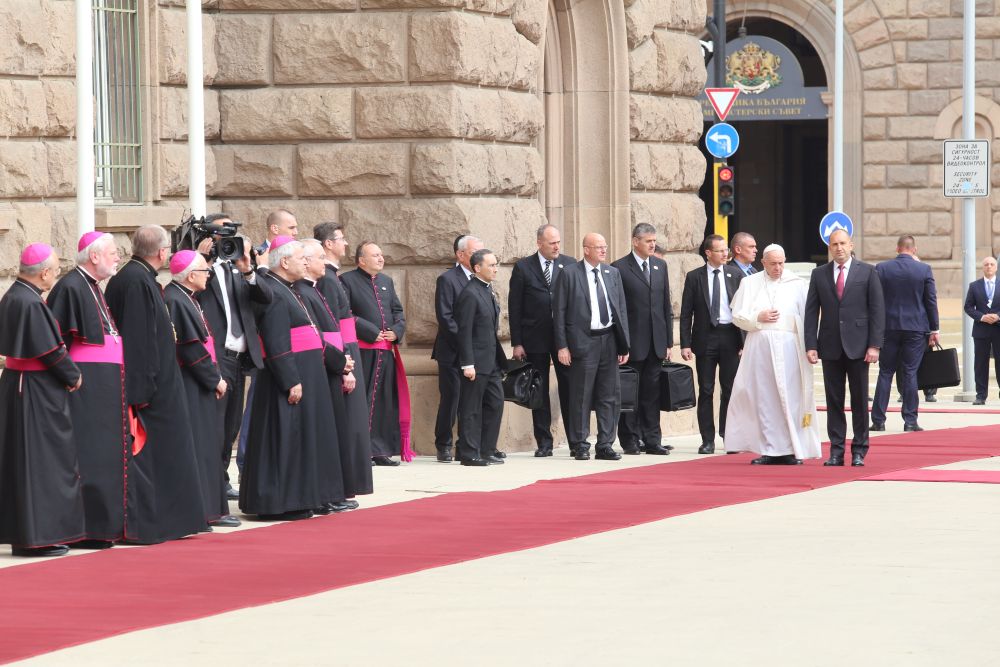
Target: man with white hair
772	401
41	507
292	412
99	424
164	492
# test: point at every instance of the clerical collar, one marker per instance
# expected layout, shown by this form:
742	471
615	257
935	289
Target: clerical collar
140	260
279	279
308	281
86	274
334	265
186	290
476	276
35	288
370	275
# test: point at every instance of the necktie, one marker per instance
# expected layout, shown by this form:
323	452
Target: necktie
645	271
989	292
548	272
716	308
840	282
751	270
235	323
602	300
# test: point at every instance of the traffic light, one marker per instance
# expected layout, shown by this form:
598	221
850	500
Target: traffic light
725	193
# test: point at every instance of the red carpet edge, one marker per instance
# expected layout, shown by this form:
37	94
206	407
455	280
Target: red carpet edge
52	605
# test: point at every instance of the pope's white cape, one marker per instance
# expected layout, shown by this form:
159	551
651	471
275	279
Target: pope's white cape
772	409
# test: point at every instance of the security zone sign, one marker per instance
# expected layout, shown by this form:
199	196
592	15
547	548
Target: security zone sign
967	168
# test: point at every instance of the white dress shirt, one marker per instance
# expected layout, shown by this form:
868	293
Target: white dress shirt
847	271
595	310
990	285
233	343
725	312
640	260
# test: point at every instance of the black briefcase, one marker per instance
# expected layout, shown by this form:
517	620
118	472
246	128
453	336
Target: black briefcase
676	387
522	384
629	380
939	368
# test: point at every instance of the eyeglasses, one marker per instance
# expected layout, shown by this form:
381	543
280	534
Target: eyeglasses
596	247
337	239
200	271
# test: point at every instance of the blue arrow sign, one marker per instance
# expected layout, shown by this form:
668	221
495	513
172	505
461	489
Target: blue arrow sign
833	221
722	140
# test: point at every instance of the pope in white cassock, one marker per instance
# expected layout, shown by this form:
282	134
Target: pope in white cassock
772	411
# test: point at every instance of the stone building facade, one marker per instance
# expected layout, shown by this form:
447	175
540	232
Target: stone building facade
412	121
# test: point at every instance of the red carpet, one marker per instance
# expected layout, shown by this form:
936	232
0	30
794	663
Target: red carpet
931	411
50	605
919	475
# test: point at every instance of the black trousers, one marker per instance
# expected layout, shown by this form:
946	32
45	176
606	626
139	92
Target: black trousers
480	408
541	418
982	349
231	369
855	372
722	353
904	348
644	423
594	385
449	386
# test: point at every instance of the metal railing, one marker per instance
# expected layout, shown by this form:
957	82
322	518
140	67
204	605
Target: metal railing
118	112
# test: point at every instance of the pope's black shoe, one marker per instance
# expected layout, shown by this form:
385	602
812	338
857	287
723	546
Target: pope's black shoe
384	461
40	552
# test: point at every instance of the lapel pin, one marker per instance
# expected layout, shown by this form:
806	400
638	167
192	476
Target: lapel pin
606	271
560	266
656	268
383	288
728	275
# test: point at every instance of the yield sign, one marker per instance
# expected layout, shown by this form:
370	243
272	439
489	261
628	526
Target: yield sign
722	100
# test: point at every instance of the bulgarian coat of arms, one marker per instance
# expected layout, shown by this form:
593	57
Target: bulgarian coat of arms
752	69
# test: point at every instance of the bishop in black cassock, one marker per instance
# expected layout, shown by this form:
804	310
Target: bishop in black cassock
41	506
380	326
291	418
164	491
100	429
203	383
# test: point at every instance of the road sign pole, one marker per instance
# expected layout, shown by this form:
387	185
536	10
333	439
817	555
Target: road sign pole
719	65
838	109
968	203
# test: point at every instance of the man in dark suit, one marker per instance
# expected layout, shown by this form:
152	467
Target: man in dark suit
591	333
449	285
844	326
910	315
709	335
744	247
226	304
481	358
651	332
983	307
530	306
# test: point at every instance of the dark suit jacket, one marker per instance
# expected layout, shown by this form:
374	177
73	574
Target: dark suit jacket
478	317
530	303
975	307
910	295
848	327
732	263
215	312
696	320
571	308
449	285
650	318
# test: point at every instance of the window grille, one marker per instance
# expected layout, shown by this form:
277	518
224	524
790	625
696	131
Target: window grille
118	112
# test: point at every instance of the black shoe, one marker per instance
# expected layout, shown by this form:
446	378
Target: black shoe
669	448
295	515
323	509
656	450
475	462
40	552
858	461
542	452
384	461
834	461
499	454
631	451
354	504
707	448
582	455
762	460
92	544
493	460
226	521
877	426
979	401
445	456
341	506
912	428
231	493
930	399
607	454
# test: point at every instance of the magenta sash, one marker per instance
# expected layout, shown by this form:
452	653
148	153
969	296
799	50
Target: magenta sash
111	352
210	348
349	330
334	338
304	338
402	389
15	364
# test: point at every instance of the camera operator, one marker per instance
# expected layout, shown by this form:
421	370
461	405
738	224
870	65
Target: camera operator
227	308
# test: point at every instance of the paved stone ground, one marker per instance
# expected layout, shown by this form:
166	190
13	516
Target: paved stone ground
864	573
